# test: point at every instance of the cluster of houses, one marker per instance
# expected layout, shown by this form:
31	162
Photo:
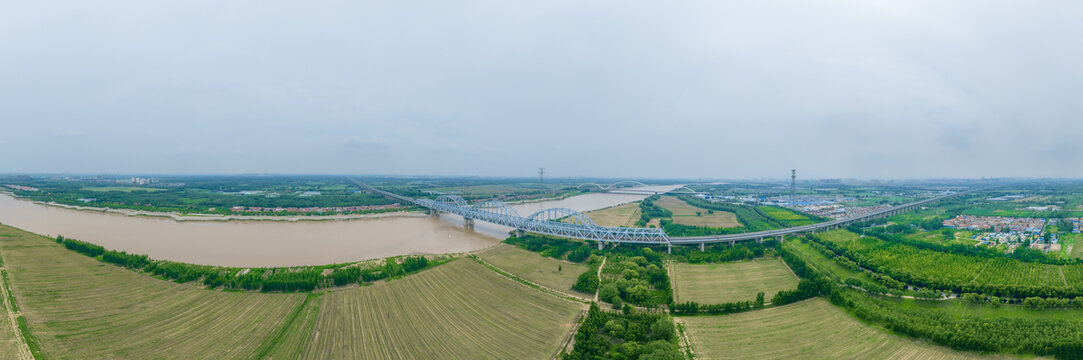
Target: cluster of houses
1007	230
335	209
996	223
21	188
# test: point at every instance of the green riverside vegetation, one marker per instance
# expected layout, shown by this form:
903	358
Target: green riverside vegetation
287	279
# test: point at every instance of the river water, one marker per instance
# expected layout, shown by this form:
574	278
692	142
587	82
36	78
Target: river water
278	243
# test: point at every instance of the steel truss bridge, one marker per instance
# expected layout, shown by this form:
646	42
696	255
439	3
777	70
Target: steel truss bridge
563	222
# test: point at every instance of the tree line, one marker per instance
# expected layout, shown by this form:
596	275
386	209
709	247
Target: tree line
291	279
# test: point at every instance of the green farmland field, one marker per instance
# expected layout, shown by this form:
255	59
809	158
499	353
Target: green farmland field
78	307
556	274
460	310
730	282
812	329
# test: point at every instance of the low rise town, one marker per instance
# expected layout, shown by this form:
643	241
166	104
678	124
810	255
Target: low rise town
1010	231
21	188
996	223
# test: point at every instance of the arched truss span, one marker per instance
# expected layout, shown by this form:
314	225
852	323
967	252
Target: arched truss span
452	199
562	215
687	190
496	207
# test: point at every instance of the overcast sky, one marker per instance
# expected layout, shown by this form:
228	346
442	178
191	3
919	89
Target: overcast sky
713	89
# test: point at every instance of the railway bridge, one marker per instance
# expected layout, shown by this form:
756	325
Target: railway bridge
563	222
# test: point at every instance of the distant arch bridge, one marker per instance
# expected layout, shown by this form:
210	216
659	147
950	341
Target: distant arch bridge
607	187
563	222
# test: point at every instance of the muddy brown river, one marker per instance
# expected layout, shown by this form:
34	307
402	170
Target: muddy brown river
277	243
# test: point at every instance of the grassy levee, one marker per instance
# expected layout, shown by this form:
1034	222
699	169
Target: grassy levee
79	307
813	329
730	282
460	310
556	274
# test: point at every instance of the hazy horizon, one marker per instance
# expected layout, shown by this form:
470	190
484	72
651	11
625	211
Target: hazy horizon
737	90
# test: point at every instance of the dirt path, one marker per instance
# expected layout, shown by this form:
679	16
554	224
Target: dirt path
981	271
600	267
9	309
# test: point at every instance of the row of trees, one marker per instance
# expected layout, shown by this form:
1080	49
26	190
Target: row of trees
692	307
926	267
1021	253
262	279
720	253
648	210
1039	336
553	247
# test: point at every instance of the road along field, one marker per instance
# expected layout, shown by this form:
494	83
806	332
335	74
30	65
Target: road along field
730	282
685	214
460	310
79	307
812	329
620	215
553	273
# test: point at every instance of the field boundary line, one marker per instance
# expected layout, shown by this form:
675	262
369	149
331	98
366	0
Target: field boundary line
9	308
684	337
982	271
274	339
1062	278
672	270
531	284
569	339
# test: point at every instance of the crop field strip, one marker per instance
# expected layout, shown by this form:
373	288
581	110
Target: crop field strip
556	274
79	307
685	214
956	268
620	215
730	282
812	329
457	310
12	345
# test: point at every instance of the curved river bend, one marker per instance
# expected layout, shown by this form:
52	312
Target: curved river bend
277	243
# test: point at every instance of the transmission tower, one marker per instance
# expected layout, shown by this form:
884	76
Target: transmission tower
793	187
541	174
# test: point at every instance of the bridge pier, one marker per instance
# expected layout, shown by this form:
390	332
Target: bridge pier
520	233
601	245
434	212
733	242
760	240
780	238
468	223
702	247
669	249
